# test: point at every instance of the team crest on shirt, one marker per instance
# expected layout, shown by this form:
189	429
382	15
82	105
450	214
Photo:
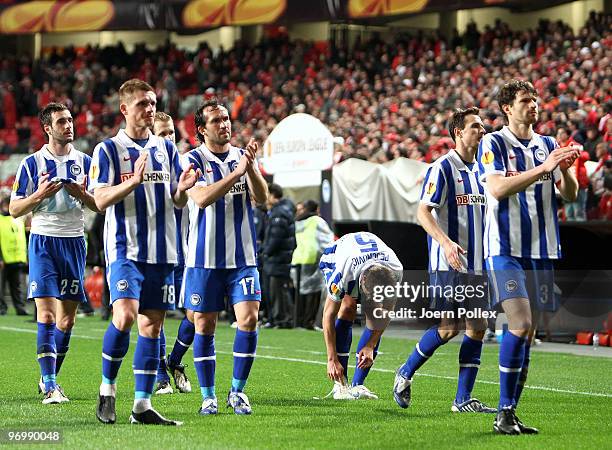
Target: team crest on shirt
195	299
122	285
75	170
540	154
160	156
33	286
487	157
431	188
232	165
511	285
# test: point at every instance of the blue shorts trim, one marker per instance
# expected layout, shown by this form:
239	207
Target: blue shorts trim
151	284
56	267
512	277
179	272
450	290
205	289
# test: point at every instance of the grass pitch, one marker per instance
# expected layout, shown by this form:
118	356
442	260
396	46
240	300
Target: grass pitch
568	398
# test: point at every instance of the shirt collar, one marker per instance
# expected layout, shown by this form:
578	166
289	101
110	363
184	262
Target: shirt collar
127	141
454	158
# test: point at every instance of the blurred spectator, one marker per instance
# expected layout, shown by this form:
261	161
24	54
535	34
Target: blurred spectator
577	210
13	258
592	139
605	204
312	234
278	246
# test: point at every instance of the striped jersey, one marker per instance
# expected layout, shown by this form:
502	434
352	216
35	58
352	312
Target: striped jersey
182	231
343	262
142	226
459	203
523	225
222	235
62	214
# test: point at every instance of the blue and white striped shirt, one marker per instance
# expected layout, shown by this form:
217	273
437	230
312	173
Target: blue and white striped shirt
343	262
459	204
62	214
142	226
222	235
523	225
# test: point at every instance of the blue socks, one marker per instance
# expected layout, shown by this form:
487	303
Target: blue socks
511	356
424	349
245	346
162	370
361	374
524	371
469	363
204	361
46	353
62	341
184	339
114	348
146	362
344	337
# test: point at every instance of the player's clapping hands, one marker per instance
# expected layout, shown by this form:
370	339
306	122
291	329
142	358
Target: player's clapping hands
563	157
188	178
246	161
47	188
139	168
76	190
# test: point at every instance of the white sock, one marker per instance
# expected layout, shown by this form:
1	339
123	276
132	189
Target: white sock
141	405
108	390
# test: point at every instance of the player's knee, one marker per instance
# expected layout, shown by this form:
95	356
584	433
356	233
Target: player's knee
447	333
66	323
521	327
248	323
45	316
476	329
125	320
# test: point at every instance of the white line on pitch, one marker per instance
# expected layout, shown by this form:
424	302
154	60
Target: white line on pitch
376	369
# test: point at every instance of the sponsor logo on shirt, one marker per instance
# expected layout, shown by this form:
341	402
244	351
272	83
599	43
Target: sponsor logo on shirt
471	199
149	177
238	188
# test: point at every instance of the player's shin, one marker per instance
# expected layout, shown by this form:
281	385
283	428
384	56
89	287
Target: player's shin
114	348
146	362
184	339
424	349
162	370
245	347
47	353
469	363
62	343
204	361
361	374
344	337
511	354
524	371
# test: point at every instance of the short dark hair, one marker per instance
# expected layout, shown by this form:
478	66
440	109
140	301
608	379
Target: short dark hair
275	190
509	91
45	116
310	206
200	115
457	120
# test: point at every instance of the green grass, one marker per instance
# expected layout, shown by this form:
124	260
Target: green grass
281	392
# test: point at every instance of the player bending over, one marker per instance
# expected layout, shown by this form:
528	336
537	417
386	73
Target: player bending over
355	267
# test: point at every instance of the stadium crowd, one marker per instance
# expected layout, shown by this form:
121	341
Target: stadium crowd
385	99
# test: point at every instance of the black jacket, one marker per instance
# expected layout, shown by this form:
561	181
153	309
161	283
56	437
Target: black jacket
279	239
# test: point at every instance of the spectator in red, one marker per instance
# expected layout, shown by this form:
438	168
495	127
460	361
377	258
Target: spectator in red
577	210
605	204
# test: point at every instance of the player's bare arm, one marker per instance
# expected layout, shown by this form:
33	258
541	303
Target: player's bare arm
46	189
257	183
106	196
187	180
334	369
204	196
452	250
501	187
